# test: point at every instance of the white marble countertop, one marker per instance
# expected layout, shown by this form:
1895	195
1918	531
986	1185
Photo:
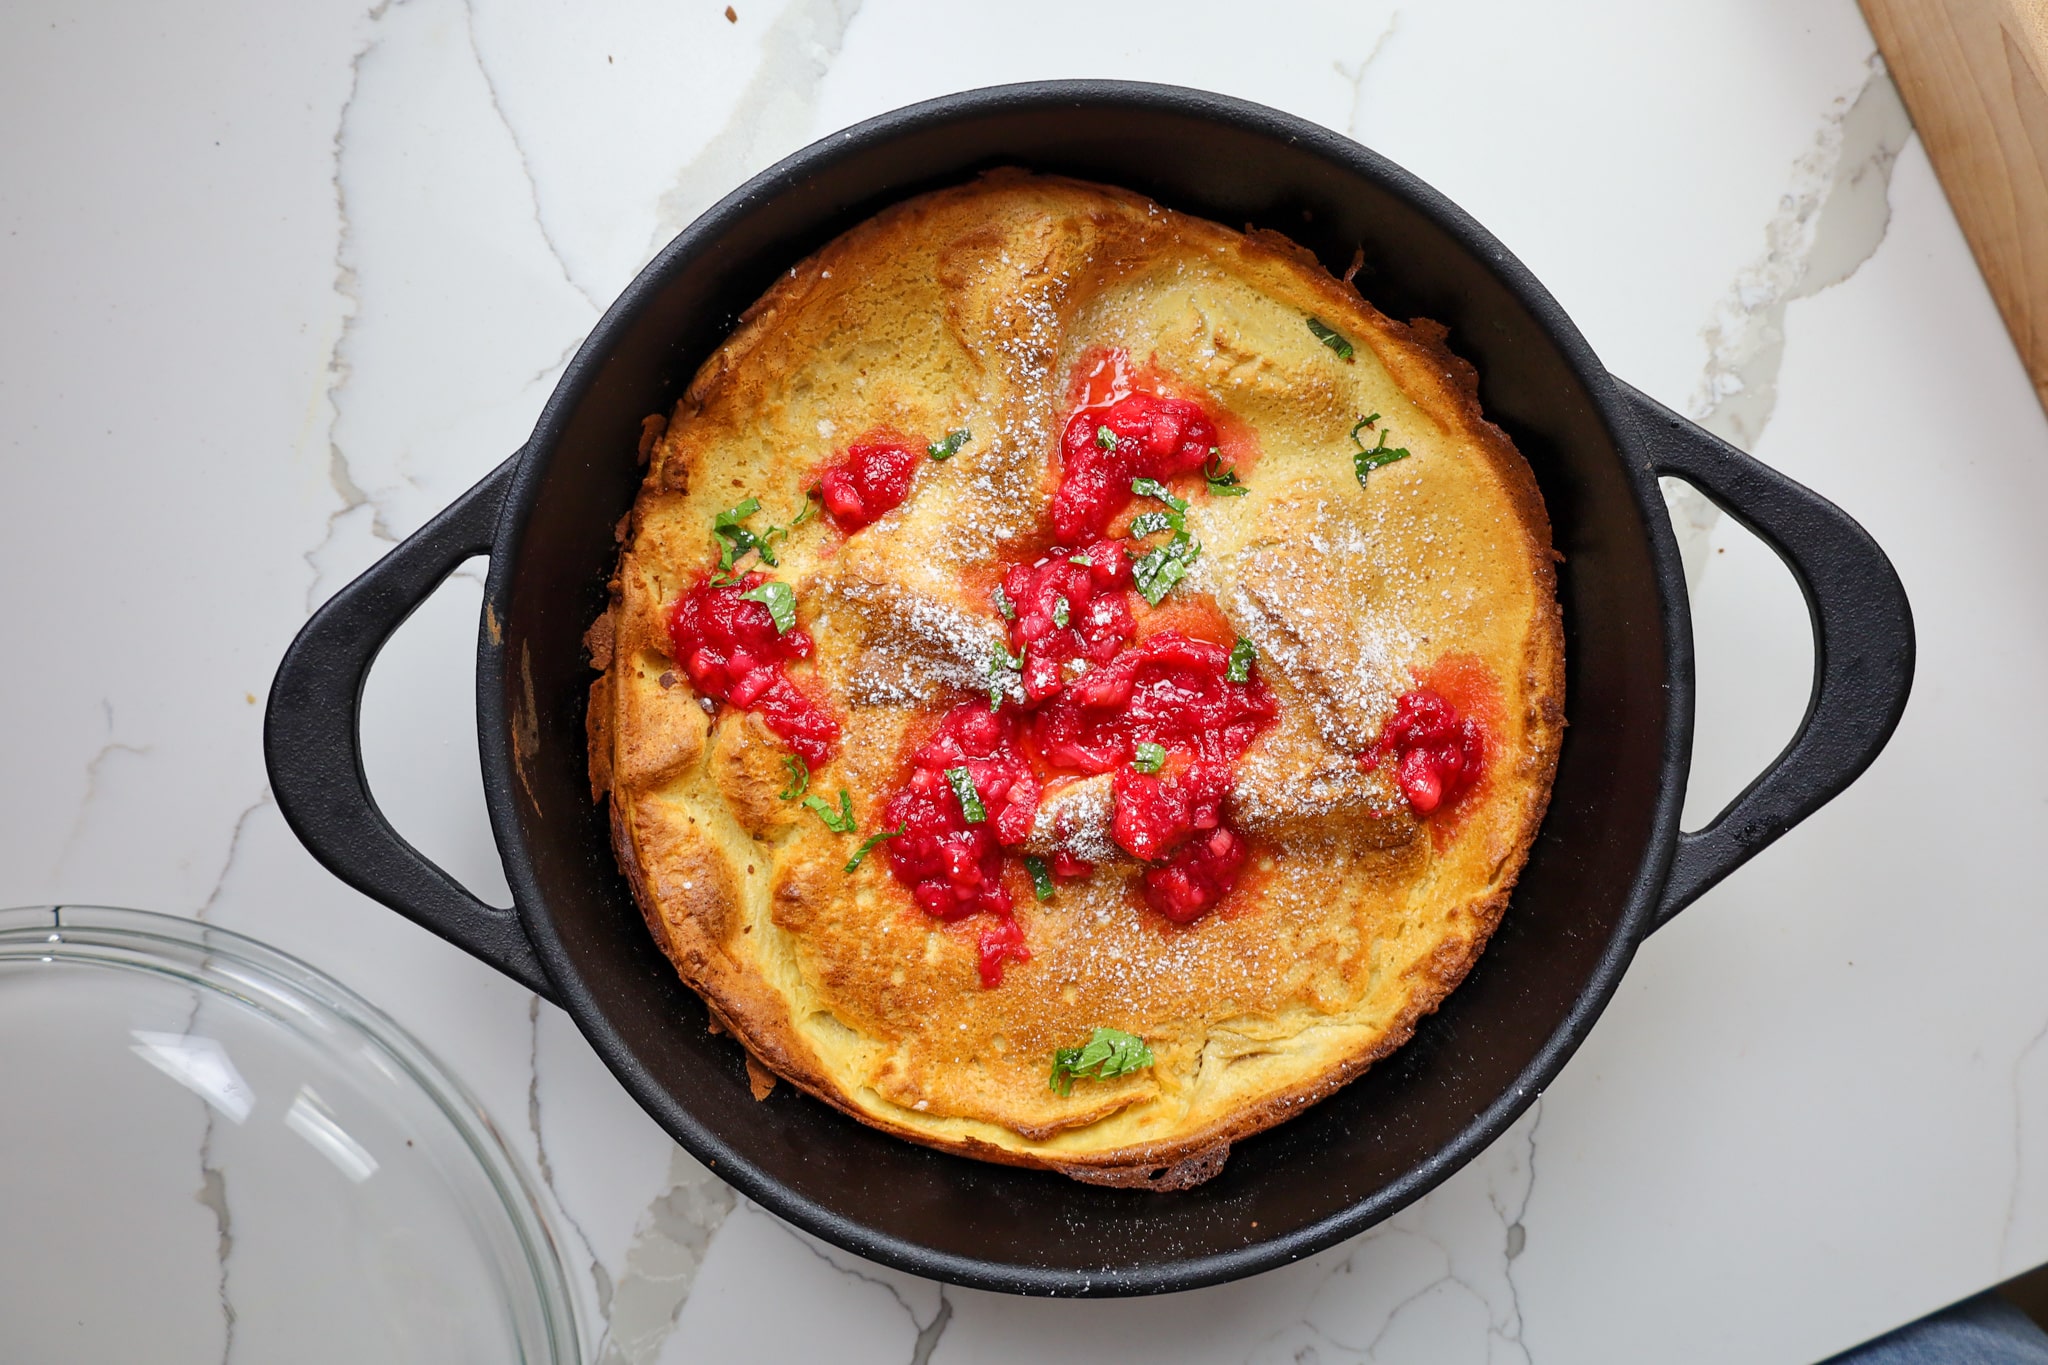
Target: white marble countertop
278	281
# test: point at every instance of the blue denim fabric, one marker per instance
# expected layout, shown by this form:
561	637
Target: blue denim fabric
1985	1330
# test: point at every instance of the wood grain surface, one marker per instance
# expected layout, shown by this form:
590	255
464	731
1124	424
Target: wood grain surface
1975	77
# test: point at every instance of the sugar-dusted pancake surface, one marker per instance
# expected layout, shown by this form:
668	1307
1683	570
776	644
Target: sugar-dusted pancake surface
1330	829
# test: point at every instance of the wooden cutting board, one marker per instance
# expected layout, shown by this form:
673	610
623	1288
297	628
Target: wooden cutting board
1974	74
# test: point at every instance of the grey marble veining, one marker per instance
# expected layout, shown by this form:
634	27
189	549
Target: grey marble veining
1831	220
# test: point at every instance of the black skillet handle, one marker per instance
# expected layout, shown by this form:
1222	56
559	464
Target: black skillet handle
313	747
1862	643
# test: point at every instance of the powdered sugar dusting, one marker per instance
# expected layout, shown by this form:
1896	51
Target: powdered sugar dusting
1277	785
1076	818
1344	652
1002	501
914	649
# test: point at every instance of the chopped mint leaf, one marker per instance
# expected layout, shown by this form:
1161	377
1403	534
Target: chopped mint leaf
779	598
1083	560
734	539
1150	757
799	776
1145	523
1242	655
948	448
1165	565
1107	1054
1152	488
970	799
803	514
1331	338
1222	481
1004	606
1061	612
839	821
1041	876
868	844
1366	461
1001	664
1105	439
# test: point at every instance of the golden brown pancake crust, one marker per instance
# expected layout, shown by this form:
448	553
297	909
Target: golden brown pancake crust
971	308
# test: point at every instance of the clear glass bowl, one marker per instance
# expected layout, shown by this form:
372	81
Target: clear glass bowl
210	1151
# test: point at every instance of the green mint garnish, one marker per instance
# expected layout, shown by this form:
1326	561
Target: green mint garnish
1222	481
1061	612
779	598
970	799
1041	876
1150	757
867	846
1366	461
1001	664
1242	655
1107	1054
1105	439
734	539
1164	566
1330	337
799	777
948	448
1004	606
838	821
1083	560
1152	488
1145	523
1171	559
803	514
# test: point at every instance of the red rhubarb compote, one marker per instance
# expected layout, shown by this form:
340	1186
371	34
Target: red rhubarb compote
1069	607
1171	690
729	648
868	482
1192	879
1000	941
1438	753
1168	689
950	857
1139	436
1174	821
1157	812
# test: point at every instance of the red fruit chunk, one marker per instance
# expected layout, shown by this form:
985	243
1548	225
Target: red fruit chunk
1154	815
1091	599
731	652
1168	689
953	865
1000	942
1438	754
1190	882
867	482
1155	438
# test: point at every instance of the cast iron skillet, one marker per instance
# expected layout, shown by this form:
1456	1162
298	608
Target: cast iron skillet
1609	866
